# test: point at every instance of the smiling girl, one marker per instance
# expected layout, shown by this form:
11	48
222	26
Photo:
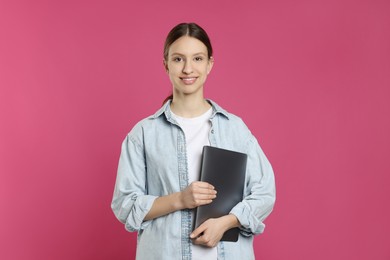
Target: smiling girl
158	187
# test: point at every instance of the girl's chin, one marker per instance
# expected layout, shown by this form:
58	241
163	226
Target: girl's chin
188	90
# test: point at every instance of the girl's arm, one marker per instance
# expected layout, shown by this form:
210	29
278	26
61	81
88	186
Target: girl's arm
196	194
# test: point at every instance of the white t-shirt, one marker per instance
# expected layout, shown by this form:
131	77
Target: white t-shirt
196	131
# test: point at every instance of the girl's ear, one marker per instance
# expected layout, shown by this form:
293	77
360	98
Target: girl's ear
211	64
165	65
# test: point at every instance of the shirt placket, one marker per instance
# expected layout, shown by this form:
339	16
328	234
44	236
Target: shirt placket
186	226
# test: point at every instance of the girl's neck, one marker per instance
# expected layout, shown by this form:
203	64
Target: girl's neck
189	106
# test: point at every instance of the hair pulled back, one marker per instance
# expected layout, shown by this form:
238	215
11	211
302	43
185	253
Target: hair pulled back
187	29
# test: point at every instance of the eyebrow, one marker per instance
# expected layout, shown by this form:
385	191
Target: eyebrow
180	54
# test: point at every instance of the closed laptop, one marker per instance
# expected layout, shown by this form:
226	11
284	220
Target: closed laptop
225	170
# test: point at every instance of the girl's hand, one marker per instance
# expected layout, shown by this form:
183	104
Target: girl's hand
196	194
211	231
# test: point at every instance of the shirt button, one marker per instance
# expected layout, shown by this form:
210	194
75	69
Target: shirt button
212	131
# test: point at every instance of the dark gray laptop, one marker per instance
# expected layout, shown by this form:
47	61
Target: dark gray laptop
225	170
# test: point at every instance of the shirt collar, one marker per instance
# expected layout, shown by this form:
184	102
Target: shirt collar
165	109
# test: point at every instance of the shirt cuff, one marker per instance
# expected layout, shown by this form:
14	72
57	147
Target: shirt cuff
250	225
141	207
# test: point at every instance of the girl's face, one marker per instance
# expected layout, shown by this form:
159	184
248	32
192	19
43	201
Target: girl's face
188	65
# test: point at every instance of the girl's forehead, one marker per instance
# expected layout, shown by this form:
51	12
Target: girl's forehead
187	45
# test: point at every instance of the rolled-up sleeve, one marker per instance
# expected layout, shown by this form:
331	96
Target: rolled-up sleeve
130	202
260	192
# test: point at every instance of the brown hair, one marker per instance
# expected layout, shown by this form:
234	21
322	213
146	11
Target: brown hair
186	29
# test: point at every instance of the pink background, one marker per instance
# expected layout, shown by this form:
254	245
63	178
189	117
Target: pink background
310	78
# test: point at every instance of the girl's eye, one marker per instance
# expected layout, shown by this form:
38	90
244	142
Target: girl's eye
198	58
177	59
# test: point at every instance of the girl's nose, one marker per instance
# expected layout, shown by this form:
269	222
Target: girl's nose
187	69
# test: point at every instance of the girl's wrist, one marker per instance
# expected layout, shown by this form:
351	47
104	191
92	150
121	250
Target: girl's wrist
230	221
177	201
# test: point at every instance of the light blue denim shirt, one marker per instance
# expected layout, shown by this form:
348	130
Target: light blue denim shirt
153	163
